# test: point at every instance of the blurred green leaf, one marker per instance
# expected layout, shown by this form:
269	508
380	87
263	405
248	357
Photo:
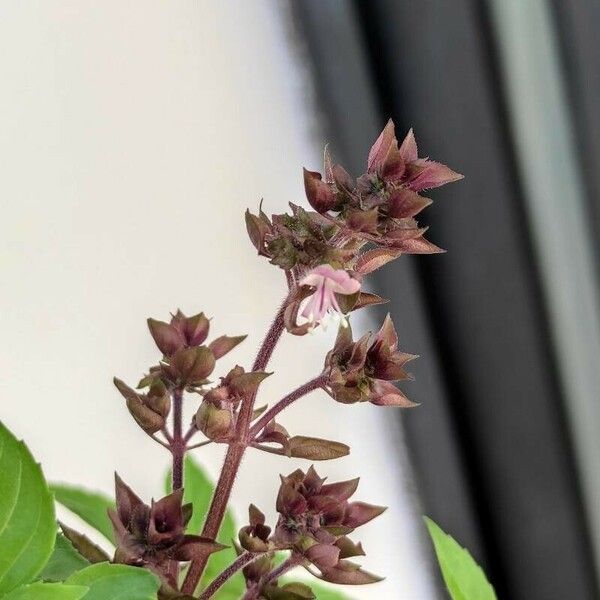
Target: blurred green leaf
463	577
27	521
65	561
107	582
92	507
47	591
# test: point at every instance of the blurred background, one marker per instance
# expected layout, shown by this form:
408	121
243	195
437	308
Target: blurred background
132	137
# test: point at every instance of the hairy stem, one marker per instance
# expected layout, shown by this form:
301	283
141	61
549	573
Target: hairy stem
167	435
159	441
178	443
200	444
290	279
239	563
177	447
293	561
268	449
216	512
234	455
298	393
271	339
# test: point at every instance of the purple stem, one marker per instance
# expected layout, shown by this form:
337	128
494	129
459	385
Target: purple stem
240	562
271	339
177	443
289	277
216	512
309	386
235	453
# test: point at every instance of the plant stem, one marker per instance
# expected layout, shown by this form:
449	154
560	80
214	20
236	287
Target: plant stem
216	512
289	277
191	432
167	435
271	339
269	449
159	441
235	453
293	561
240	562
177	444
199	445
298	393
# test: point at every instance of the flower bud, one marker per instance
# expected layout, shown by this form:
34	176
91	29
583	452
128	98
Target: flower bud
320	195
193	329
255	536
300	446
258	229
316	517
218	396
166	336
342	178
363	370
149	411
158	398
215	423
246	384
193	365
154	536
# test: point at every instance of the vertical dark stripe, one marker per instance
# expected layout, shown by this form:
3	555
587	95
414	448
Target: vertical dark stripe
577	23
484	298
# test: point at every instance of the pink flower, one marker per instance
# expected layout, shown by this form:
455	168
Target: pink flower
327	282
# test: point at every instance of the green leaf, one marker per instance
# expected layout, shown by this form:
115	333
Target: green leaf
27	521
463	577
198	489
47	591
65	561
90	506
116	582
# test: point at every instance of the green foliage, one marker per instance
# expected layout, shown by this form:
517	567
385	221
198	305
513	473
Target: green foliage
198	489
65	561
89	506
27	521
28	538
116	582
47	591
463	577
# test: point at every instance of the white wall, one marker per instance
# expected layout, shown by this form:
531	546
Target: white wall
132	136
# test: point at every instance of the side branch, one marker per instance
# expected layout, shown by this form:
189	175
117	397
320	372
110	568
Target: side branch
309	386
239	563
